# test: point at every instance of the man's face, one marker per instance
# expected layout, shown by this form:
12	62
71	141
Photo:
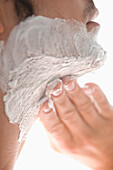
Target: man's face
80	10
41	49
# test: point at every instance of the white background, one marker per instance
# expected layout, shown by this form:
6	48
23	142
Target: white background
37	154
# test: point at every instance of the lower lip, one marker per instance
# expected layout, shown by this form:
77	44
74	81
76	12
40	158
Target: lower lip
93	24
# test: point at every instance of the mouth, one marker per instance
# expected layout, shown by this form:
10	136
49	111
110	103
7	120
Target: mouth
90	24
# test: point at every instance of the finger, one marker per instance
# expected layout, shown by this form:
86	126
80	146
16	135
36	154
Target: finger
66	110
100	99
82	102
53	125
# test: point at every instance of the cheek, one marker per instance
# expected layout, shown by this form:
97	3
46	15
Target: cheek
73	10
78	8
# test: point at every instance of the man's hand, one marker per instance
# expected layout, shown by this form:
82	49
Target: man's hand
82	126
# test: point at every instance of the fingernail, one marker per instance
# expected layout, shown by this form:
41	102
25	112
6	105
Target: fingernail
40	103
46	107
57	90
68	82
54	88
88	90
69	86
68	78
51	104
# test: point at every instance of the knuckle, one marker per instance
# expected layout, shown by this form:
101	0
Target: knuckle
56	129
88	135
68	145
76	94
46	117
69	116
70	148
62	100
85	106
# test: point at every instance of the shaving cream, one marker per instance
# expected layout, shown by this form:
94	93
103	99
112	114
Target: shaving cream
40	50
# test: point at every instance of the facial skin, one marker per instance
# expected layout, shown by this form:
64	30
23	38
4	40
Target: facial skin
7	19
81	10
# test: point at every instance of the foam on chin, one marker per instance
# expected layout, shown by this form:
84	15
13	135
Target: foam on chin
38	51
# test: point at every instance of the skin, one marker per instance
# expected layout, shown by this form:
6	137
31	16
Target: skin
81	10
79	128
89	137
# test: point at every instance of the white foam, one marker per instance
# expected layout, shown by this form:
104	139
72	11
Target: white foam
38	51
